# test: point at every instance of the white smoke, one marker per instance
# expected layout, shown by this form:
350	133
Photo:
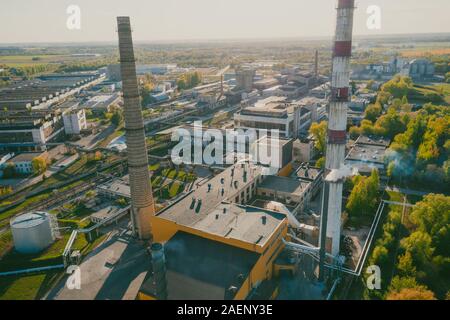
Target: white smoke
342	173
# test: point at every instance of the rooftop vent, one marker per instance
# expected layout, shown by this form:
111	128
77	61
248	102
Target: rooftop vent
199	206
232	289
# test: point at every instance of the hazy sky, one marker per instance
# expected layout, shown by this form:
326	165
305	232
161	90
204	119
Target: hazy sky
45	20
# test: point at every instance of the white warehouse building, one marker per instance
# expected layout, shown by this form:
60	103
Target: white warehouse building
74	121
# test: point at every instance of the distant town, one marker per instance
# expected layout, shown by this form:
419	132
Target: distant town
357	209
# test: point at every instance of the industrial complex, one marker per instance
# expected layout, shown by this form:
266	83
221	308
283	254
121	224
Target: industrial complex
218	173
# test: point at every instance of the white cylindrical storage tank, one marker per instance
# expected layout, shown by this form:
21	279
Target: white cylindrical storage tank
32	232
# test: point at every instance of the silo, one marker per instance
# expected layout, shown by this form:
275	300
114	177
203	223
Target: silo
32	232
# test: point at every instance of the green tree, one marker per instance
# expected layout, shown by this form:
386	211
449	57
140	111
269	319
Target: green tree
320	163
418	293
39	165
373	111
390	124
9	171
419	244
117	117
189	80
407	288
319	131
364	197
406	265
432	217
398	86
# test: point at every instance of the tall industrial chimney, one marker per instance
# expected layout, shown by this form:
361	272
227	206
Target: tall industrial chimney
337	125
141	191
316	65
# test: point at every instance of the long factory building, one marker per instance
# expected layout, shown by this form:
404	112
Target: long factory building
216	246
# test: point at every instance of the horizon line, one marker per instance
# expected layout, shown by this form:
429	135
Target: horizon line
230	39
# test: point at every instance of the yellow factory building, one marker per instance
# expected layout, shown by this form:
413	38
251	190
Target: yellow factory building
215	246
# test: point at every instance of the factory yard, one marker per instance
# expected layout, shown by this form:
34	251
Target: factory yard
113	271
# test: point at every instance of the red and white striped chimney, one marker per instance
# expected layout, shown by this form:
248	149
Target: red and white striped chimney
337	121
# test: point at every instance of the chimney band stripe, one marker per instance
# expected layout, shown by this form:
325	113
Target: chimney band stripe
337	136
342	49
346	4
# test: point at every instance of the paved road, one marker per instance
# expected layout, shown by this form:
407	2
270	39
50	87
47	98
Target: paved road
101	279
89	142
410	192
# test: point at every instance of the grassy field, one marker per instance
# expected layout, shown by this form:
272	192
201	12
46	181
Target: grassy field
32	60
4	216
30	287
419	93
6	242
425	52
444	89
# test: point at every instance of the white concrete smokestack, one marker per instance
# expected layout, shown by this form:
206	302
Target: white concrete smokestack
337	123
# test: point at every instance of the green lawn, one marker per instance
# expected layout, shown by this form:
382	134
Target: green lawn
30	287
6	242
419	92
180	175
154	167
27	60
172	190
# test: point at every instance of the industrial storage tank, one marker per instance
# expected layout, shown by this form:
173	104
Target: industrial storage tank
32	232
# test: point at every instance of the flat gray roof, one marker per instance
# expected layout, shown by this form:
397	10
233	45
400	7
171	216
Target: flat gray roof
308	173
373	140
367	153
207	272
27	156
120	187
284	184
209	211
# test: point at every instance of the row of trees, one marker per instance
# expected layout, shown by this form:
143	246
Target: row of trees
423	149
39	167
30	70
319	131
147	84
364	198
83	66
189	80
5	190
387	125
415	249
